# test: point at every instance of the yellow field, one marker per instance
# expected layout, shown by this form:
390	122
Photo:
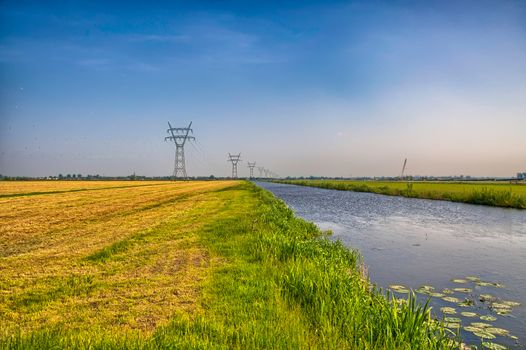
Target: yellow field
52	246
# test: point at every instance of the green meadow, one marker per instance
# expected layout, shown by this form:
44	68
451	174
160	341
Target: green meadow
496	194
213	265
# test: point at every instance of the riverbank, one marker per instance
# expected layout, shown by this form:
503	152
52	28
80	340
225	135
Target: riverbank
191	265
486	193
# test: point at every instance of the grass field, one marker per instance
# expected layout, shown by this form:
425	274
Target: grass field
484	193
219	264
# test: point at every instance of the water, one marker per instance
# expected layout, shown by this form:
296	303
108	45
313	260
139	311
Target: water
416	241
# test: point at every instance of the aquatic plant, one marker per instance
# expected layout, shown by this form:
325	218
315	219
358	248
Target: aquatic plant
483	330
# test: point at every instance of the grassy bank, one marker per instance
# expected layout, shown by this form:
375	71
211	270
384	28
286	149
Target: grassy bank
486	193
190	265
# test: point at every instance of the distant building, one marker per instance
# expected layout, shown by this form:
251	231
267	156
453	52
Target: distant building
521	176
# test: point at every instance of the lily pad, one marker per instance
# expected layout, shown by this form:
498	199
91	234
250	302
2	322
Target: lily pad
436	295
447	291
451	325
463	290
448	310
459	280
484	335
427	287
497	331
490	284
488	318
452	319
480	324
399	288
511	303
468	314
466	303
422	291
486	297
493	346
502	311
473	278
473	329
451	299
500	306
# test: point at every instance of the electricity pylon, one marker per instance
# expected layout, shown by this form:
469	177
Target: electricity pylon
234	158
251	167
261	170
179	137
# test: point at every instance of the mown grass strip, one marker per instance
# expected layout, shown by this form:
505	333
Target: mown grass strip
481	194
9	195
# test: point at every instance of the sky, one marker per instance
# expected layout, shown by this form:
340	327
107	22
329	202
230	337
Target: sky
323	88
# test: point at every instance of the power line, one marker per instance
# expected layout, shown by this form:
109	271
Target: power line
197	145
198	156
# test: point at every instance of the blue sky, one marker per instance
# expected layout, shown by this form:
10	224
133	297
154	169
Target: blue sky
303	88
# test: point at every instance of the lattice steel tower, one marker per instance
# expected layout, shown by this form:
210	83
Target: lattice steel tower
179	137
234	158
251	167
261	170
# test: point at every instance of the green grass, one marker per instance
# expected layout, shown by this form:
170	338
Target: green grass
275	282
485	193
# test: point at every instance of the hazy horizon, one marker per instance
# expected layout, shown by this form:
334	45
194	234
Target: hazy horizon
302	88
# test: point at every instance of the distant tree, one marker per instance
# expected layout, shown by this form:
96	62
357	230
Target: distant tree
68	176
79	176
60	176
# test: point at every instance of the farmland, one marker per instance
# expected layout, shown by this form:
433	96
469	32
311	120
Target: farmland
219	264
484	193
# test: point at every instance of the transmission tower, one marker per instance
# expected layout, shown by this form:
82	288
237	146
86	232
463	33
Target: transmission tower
179	137
234	158
251	167
261	170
